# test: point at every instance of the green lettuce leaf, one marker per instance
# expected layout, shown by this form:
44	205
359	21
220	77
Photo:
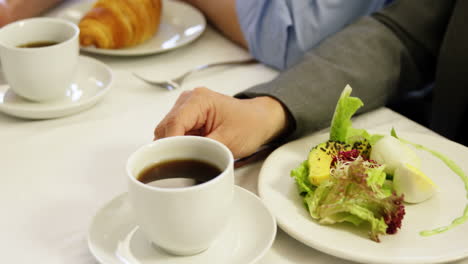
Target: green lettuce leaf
356	192
375	180
341	126
300	175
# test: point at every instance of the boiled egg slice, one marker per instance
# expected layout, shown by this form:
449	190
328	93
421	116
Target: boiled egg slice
413	184
392	152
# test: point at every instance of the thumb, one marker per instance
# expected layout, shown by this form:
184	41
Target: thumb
218	136
226	138
178	123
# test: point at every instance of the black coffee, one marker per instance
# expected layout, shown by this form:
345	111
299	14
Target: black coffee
179	173
38	44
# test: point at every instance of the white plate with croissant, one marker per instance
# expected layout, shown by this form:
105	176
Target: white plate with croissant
134	27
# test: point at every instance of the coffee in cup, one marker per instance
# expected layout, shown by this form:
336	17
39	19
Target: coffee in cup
39	57
181	189
179	173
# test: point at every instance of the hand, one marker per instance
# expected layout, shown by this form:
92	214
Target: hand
12	10
243	125
4	13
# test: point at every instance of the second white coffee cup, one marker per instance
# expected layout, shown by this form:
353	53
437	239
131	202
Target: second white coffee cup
182	220
39	57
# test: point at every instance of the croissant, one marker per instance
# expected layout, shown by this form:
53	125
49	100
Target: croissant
114	24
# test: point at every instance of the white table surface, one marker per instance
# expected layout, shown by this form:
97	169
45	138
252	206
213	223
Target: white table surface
55	174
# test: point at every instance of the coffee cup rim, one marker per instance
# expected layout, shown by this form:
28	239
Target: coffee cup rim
228	167
72	25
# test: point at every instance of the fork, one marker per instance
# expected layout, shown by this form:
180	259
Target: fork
176	83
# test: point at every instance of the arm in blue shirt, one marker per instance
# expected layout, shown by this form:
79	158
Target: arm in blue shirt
279	32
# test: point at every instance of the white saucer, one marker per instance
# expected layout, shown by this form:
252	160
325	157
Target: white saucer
115	238
91	82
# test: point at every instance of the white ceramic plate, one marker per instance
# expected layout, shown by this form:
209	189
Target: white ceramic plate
180	25
91	82
114	237
278	191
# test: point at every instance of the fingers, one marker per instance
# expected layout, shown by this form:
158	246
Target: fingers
187	116
242	125
176	123
172	127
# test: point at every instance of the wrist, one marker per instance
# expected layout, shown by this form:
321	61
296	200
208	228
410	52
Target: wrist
276	117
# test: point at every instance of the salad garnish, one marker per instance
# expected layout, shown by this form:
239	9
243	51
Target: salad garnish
457	170
365	179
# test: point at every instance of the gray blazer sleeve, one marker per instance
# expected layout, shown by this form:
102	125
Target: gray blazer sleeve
381	57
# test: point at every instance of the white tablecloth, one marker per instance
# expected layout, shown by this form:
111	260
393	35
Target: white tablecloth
55	174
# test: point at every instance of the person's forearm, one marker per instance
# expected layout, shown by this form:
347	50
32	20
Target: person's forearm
368	55
19	9
222	14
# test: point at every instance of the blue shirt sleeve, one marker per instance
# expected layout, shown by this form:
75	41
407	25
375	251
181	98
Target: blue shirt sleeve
279	32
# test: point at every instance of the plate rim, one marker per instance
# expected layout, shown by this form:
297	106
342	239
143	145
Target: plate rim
240	189
343	254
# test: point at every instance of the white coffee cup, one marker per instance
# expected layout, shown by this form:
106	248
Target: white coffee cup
42	73
182	220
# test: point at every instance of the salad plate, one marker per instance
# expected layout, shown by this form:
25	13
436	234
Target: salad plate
115	238
180	25
278	191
